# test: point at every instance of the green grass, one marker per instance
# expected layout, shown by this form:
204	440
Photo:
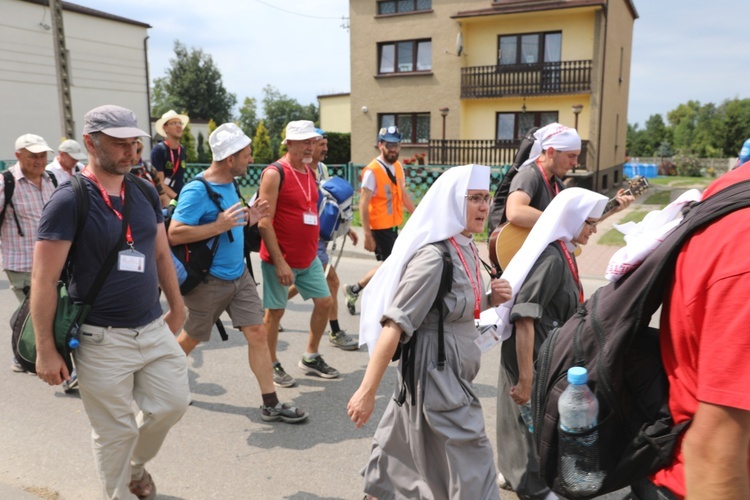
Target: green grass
676	181
613	237
661	198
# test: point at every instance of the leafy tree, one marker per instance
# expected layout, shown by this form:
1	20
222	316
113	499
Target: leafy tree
280	109
193	83
204	153
211	126
736	125
339	148
248	119
262	152
188	142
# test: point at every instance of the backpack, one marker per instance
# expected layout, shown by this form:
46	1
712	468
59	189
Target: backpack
497	210
335	208
9	188
252	233
609	336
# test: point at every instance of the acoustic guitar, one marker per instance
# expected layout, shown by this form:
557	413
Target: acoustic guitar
507	239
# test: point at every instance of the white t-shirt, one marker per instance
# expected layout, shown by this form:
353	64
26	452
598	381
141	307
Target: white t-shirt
60	173
368	179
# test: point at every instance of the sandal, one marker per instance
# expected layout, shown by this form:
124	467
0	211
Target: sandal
144	488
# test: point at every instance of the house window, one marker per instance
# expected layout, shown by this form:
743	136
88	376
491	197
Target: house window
405	57
513	126
414	127
401	6
529	48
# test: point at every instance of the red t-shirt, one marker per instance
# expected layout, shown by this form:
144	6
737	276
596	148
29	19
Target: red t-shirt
704	323
298	241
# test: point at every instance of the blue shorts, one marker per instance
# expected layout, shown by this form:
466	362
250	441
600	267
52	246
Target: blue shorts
323	252
311	284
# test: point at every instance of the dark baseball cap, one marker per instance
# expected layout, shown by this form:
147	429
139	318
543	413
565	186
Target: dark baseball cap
114	121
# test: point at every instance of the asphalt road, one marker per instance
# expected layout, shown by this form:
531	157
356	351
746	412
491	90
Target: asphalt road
221	448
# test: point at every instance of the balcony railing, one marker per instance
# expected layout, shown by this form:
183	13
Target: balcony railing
565	77
481	151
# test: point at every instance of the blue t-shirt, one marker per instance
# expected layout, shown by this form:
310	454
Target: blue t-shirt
196	208
127	299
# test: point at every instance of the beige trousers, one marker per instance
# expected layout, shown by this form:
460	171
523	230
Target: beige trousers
117	366
17	281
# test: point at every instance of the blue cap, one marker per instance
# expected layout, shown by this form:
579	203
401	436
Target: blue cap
745	152
321	131
578	375
390	134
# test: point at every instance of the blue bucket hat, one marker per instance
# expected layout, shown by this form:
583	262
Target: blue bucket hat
390	134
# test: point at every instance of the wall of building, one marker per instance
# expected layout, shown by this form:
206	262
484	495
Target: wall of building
335	113
107	66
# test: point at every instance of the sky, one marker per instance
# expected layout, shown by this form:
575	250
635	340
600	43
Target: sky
682	49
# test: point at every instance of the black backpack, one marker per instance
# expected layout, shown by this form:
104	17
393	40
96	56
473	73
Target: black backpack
9	188
252	233
497	211
610	336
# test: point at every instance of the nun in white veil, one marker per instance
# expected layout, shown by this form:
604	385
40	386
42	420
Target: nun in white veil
434	445
546	292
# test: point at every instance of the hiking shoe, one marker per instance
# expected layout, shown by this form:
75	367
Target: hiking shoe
351	299
280	377
318	367
343	341
284	412
72	384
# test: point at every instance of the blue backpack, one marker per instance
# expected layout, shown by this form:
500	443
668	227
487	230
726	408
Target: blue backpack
334	208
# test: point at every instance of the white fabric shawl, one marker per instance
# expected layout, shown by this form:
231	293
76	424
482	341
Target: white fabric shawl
440	215
556	136
562	220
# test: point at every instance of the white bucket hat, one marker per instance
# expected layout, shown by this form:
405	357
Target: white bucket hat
300	130
74	149
170	115
226	140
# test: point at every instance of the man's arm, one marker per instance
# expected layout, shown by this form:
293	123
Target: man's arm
49	259
407	201
364	214
716	453
175	317
269	191
519	211
521	392
181	233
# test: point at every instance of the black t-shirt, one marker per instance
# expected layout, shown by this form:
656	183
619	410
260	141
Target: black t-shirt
163	159
127	299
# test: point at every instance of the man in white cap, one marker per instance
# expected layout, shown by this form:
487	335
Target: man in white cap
539	179
25	188
168	157
68	160
289	248
127	352
229	286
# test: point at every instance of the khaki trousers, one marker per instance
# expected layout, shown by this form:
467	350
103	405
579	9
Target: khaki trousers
117	366
17	281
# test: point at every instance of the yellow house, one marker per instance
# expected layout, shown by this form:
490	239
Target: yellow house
465	80
335	113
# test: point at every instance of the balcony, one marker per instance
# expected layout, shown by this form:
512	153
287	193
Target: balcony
551	78
481	151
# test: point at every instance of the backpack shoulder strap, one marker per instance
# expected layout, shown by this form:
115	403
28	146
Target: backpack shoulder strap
52	177
82	202
280	169
216	198
10	187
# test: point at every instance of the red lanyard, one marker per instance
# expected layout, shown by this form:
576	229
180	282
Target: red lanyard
175	165
573	269
308	199
473	279
108	201
556	189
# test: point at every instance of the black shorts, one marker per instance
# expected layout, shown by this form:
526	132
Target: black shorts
384	240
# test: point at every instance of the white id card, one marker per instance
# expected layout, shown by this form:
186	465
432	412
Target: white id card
168	181
488	337
310	218
131	260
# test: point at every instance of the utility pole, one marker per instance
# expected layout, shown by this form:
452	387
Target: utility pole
63	68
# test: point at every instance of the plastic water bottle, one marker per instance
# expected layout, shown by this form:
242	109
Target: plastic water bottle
579	447
72	337
527	417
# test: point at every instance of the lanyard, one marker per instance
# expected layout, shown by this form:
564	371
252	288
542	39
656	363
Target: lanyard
308	198
473	279
108	201
573	269
556	189
175	165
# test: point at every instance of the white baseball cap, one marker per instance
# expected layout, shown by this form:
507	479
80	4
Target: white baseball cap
74	149
33	143
226	140
300	130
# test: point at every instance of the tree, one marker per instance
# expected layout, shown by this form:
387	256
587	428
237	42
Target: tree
736	125
193	83
262	152
188	142
339	148
211	126
280	109
204	154
248	119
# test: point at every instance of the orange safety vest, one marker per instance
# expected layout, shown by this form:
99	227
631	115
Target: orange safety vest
386	207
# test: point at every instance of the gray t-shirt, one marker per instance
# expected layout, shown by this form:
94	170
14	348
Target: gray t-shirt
529	180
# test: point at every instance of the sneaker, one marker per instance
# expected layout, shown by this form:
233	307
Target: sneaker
280	377
72	384
284	412
318	367
351	298
343	341
16	366
281	328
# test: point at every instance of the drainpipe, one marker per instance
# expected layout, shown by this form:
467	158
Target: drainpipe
601	99
148	94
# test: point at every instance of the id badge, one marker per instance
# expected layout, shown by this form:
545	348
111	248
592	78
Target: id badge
168	181
131	261
488	337
310	218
